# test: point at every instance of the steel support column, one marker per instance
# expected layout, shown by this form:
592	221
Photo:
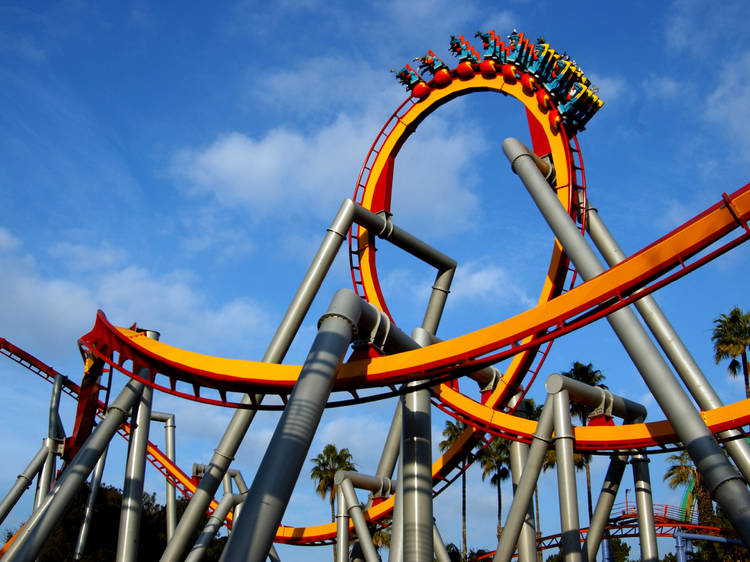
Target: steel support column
135	471
519	507
171	492
96	480
54	441
23	482
396	551
270	491
348	213
570	528
215	520
518	454
441	553
724	482
277	349
342	527
680	357
360	525
417	468
645	503
604	505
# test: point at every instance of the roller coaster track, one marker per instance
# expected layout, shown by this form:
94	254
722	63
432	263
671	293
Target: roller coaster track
563	305
667	519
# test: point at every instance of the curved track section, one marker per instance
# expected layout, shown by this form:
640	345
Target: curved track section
645	271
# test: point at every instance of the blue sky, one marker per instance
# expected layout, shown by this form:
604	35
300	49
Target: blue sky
177	165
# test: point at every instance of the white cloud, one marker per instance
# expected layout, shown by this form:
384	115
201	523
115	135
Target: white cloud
441	15
8	242
694	26
283	171
610	87
48	313
296	175
726	106
306	89
85	258
434	180
661	87
503	22
486	282
363	435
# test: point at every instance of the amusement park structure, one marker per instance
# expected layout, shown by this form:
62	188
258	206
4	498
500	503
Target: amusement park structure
125	367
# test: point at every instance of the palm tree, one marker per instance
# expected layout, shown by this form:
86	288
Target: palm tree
324	470
680	473
731	337
494	459
452	432
588	375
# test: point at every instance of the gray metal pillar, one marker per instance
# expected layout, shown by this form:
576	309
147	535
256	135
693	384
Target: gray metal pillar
389	456
380	486
135	472
604	505
396	552
679	547
519	507
44	519
278	471
215	520
241	489
342	528
54	442
277	349
88	515
360	526
273	556
441	553
23	482
171	492
723	480
678	354
644	501
570	528
518	454
417	468
227	483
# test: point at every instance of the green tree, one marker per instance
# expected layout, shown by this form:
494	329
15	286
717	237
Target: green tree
381	538
453	552
325	466
494	459
323	472
731	337
588	375
452	432
710	551
102	538
680	473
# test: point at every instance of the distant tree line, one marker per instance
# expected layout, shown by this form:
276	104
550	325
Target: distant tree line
102	538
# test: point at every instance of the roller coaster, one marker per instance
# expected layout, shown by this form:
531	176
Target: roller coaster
421	369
